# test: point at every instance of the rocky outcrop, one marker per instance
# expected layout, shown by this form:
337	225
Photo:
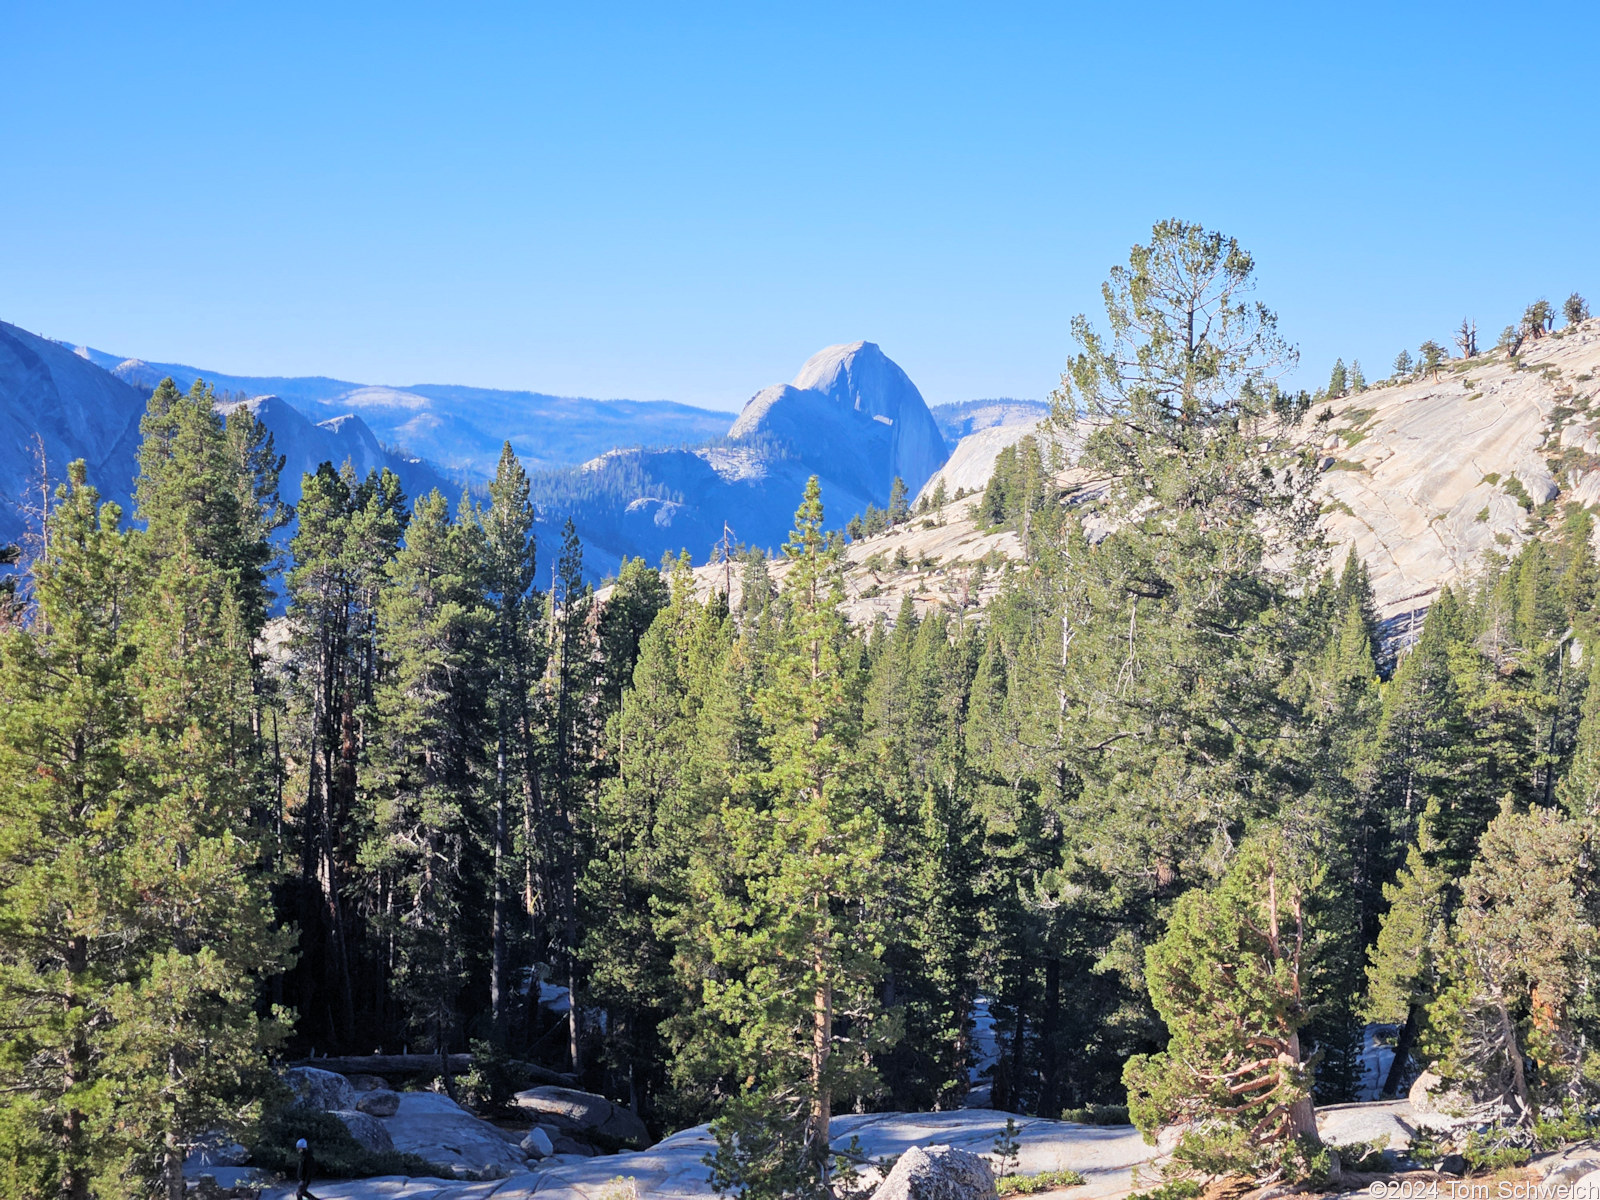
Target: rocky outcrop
438	1129
366	1129
675	1168
379	1102
537	1144
938	1173
853	412
315	1088
941	559
1429	1097
1423	478
584	1112
972	461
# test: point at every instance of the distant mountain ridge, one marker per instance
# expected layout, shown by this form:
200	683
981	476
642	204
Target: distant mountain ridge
962	418
68	403
461	429
850	416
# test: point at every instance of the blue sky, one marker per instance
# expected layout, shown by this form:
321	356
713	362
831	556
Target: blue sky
685	201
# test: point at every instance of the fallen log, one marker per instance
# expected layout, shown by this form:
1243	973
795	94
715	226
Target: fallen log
421	1064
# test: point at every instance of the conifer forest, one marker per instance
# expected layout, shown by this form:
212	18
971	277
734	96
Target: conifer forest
388	773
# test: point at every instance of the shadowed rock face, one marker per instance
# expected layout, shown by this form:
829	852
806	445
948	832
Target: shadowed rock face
74	410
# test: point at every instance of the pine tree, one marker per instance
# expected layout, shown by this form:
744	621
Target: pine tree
795	930
568	683
1521	953
425	777
1358	381
899	509
1227	980
1338	381
349	530
1430	356
1579	790
68	927
510	550
1405	966
127	883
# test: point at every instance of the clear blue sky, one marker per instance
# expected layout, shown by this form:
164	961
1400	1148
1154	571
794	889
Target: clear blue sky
614	200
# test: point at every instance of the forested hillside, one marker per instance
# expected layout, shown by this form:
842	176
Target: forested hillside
1166	804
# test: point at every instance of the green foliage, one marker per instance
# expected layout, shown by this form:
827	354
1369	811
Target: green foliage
1228	981
1097	1114
1019	487
1402	364
1570	1125
1045	1181
1338	380
1517	492
899	509
1007	1149
1520	949
1172	1189
1497	1147
792	919
129	883
1537	319
492	1080
1575	309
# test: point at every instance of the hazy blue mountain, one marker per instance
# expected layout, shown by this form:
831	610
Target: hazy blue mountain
52	399
461	429
62	399
851	417
306	445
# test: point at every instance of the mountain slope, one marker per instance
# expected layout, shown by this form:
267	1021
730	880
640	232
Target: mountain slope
459	428
52	398
79	410
960	418
306	445
1425	477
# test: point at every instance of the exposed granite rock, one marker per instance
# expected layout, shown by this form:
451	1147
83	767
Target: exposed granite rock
938	1173
366	1129
316	1088
585	1112
380	1102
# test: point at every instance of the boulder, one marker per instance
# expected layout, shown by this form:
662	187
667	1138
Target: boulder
316	1088
1535	477
585	1112
368	1083
1572	1170
1346	1124
537	1144
938	1173
366	1129
1429	1097
378	1103
571	1145
438	1129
